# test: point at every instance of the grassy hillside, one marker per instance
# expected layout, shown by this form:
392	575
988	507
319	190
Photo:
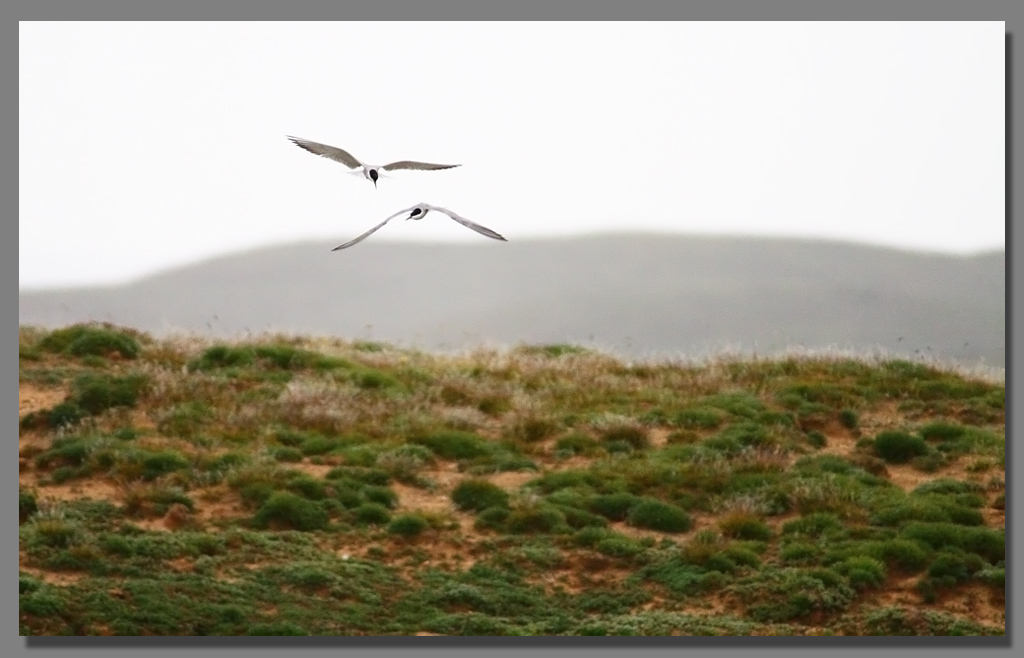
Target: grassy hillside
287	486
636	294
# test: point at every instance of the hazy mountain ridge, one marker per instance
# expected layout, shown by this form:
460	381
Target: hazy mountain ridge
638	294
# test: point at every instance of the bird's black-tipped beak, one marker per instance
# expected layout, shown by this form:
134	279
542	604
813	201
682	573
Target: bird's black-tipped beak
374	183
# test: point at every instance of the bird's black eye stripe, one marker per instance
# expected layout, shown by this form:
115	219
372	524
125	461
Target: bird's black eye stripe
415	212
373	174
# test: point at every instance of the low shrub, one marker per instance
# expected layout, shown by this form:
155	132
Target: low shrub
901	554
307	486
660	516
91	340
577	443
455	444
800	553
743	525
635	436
287	510
791	594
618	546
380	495
535	519
476	494
987	543
27	505
817	524
96	393
286	454
160	463
899	447
700	418
848	418
65	414
408	525
372	514
577	518
493	518
863	572
614	506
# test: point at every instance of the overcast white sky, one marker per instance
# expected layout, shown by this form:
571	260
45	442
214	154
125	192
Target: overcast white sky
150	145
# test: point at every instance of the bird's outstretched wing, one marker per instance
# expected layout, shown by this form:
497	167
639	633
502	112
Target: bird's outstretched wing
332	152
362	237
423	166
483	230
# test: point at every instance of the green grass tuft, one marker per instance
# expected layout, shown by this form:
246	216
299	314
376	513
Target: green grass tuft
408	525
478	495
286	510
899	447
656	515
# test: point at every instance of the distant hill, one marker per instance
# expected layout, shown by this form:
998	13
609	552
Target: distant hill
636	294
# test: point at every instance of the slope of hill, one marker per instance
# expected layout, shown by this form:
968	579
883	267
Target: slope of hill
636	294
288	486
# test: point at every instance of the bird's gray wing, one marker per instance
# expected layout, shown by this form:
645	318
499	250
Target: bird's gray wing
332	152
362	237
483	230
423	166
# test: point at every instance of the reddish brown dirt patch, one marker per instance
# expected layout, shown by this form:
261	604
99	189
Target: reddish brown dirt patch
218	504
841	444
58	578
445	475
978	603
707	605
583	570
33	398
638	533
93	488
908	478
181	564
31	444
142	421
411	498
512	480
152	525
576	462
995	518
52	577
886	416
316	470
972	601
659	437
441	552
900	592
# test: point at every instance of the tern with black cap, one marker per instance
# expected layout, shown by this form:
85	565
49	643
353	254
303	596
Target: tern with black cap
418	212
370	172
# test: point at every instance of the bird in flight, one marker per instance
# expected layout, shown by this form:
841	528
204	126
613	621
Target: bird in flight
371	172
419	211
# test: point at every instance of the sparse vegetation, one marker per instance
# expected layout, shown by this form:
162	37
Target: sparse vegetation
290	486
